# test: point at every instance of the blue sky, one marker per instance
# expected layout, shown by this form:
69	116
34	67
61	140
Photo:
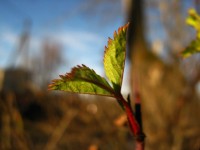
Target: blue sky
79	26
80	31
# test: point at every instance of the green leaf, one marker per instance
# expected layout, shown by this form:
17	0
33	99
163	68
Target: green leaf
82	80
193	20
114	57
193	48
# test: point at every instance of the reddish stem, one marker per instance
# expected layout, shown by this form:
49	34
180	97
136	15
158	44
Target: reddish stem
132	120
139	145
134	125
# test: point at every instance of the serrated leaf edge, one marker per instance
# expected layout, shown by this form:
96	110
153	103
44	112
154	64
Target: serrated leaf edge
120	29
69	76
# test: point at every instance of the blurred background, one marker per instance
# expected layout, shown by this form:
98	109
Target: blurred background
41	39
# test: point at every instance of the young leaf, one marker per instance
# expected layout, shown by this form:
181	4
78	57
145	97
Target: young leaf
82	80
114	57
193	48
193	20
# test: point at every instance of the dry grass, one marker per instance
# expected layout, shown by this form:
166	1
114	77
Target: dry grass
72	122
69	122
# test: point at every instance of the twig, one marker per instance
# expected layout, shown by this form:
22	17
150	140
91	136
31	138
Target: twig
59	130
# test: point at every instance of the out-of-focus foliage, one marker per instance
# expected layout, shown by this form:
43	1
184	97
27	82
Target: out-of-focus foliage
70	122
194	21
46	62
167	87
169	99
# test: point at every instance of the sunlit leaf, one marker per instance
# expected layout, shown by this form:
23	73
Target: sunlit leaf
193	48
193	20
82	80
114	57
